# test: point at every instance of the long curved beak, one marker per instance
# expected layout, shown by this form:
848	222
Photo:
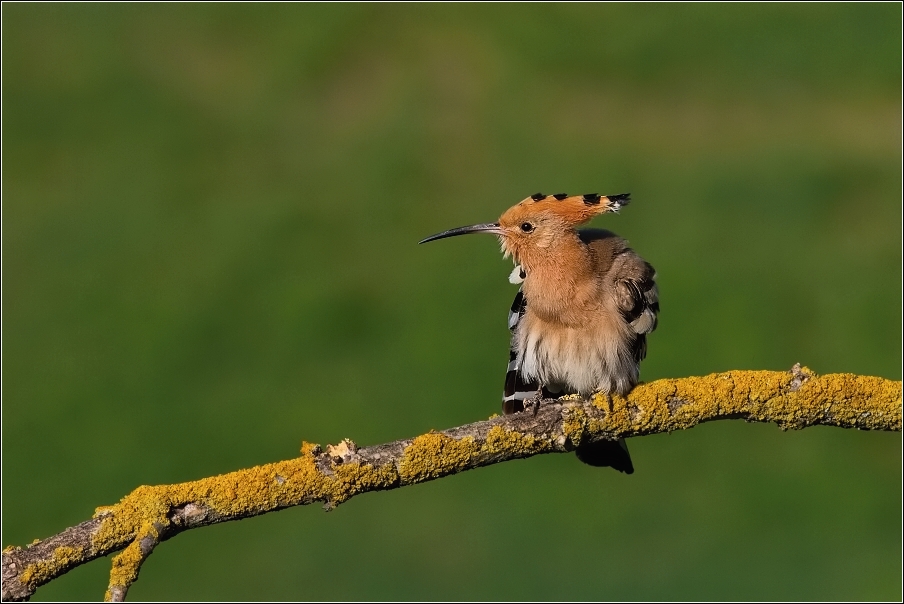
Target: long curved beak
490	227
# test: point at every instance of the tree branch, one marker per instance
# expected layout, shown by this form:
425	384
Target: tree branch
152	514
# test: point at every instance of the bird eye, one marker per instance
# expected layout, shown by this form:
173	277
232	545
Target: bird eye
527	227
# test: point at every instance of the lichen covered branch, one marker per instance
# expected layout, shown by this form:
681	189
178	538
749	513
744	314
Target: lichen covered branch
150	515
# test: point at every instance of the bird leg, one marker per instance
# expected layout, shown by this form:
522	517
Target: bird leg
534	402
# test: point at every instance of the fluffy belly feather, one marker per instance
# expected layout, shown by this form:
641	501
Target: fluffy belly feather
577	360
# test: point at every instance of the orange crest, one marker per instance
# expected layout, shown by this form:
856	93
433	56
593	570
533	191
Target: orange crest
572	210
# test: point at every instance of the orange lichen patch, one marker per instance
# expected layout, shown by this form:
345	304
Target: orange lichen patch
433	455
43	571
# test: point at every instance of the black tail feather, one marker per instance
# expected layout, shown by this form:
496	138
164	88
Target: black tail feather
611	453
512	406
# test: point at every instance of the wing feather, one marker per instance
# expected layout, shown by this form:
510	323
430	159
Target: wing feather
638	300
517	389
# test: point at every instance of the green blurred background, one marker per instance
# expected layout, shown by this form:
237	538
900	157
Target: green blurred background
210	217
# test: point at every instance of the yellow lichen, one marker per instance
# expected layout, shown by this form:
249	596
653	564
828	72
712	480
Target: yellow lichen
103	509
352	479
308	449
574	424
125	565
664	405
500	440
121	522
41	572
243	493
433	455
792	399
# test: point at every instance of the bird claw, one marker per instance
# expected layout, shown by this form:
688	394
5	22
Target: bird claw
534	403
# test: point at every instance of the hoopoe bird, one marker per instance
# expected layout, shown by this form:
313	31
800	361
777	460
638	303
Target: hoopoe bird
580	319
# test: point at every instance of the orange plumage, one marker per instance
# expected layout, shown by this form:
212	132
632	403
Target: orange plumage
587	302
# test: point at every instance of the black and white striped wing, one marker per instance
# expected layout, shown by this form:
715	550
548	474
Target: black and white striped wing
517	389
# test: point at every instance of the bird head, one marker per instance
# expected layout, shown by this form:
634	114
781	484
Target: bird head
533	227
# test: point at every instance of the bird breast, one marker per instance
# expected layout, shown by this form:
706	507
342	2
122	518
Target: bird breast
585	358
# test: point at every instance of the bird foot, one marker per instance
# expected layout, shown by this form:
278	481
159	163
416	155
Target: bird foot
533	403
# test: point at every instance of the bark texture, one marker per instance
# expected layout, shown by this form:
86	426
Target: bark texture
150	515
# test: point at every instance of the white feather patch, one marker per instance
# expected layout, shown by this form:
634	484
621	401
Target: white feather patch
644	323
517	276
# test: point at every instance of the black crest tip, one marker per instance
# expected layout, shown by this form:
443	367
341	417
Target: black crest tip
621	199
560	196
591	199
538	196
